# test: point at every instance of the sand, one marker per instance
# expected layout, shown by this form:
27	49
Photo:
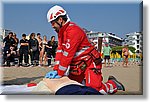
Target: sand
130	76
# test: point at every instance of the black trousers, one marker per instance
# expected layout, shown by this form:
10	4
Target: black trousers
10	59
34	57
23	53
49	56
6	48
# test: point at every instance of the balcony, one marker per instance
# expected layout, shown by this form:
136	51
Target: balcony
131	38
130	43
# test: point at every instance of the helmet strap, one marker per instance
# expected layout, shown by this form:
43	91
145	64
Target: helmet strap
59	24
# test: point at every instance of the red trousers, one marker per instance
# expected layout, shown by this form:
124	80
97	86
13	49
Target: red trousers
94	79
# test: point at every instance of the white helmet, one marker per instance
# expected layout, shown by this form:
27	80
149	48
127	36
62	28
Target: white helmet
55	12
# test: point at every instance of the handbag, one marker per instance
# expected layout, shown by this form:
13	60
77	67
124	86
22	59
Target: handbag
34	48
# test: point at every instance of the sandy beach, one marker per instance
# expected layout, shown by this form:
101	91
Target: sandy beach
130	76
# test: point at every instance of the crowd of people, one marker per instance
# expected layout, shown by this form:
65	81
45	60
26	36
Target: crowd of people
34	51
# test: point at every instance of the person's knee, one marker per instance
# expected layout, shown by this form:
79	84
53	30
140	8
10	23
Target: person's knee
94	79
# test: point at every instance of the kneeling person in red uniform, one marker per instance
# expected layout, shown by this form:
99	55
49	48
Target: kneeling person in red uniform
76	55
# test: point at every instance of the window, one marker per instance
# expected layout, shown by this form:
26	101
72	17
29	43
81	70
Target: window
137	36
138	46
138	41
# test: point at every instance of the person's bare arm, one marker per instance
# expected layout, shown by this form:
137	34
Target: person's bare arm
24	44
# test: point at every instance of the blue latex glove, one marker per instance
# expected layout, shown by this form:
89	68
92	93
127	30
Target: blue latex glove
52	75
57	76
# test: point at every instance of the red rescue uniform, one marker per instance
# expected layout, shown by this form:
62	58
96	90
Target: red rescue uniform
76	53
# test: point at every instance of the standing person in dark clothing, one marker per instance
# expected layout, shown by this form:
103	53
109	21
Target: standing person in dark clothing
51	49
16	41
34	49
16	48
54	46
24	43
49	53
8	41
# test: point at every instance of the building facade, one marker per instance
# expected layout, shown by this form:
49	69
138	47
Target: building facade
110	38
135	40
4	32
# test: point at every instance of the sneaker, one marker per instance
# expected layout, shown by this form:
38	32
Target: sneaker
20	65
26	65
118	84
31	65
39	65
49	66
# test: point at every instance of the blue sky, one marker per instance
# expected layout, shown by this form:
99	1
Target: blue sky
118	18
